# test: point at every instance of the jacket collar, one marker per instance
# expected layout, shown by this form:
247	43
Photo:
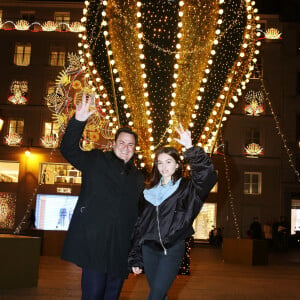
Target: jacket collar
128	166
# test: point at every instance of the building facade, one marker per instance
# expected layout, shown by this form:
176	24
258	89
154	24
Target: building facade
257	172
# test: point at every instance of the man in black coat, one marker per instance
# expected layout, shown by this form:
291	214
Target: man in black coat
98	239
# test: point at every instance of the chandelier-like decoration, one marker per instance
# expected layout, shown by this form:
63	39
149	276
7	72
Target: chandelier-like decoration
155	64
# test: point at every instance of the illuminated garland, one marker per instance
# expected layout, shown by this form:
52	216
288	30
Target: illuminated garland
190	68
235	215
236	80
47	26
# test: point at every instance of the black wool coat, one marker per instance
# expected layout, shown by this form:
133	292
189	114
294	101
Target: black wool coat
106	211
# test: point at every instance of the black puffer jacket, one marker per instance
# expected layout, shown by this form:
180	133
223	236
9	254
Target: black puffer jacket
172	220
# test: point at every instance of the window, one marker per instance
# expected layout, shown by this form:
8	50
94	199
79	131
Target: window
252	183
51	87
9	171
51	173
57	58
215	187
22	54
295	216
16	126
205	221
51	128
50	135
54	212
252	136
15	132
28	16
252	148
61	20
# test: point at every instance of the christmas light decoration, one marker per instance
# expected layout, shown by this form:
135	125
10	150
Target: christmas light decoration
71	83
233	206
7	210
49	26
254	102
49	141
271	34
13	139
19	90
186	261
279	130
239	73
177	62
253	150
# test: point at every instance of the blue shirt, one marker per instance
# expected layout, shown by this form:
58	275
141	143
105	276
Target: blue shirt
159	193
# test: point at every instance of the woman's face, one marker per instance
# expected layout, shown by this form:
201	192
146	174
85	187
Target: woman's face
166	166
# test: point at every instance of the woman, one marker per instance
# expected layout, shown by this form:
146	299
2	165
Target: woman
172	202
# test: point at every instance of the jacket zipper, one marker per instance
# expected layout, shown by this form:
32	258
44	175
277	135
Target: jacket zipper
159	235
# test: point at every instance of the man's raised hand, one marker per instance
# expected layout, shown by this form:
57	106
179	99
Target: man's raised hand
82	109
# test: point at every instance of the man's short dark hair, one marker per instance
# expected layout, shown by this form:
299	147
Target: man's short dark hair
126	130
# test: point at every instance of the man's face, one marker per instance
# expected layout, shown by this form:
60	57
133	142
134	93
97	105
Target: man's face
124	146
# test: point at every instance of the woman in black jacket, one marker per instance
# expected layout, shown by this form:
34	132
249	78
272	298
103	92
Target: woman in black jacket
172	202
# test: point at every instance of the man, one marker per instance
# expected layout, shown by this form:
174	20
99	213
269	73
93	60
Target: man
255	229
98	239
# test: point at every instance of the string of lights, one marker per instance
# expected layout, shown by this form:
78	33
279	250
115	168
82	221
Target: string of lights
236	80
279	130
231	199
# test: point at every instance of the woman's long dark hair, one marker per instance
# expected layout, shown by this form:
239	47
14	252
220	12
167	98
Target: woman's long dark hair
156	176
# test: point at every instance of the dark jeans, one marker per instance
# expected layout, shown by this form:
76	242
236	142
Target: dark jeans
100	286
161	269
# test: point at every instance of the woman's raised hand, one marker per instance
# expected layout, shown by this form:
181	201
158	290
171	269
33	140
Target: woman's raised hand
185	137
137	270
82	109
